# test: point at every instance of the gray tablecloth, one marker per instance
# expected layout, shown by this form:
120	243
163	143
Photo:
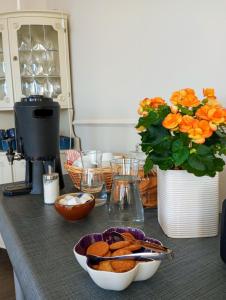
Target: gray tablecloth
40	242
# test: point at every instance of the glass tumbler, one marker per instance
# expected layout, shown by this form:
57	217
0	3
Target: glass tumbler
92	178
91	159
125	206
92	181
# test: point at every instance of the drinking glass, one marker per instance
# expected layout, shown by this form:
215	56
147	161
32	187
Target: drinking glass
50	38
25	58
37	34
92	180
91	159
125	206
24	38
38	62
39	86
28	87
125	166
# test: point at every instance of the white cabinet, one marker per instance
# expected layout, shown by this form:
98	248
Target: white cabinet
34	59
6	92
5	169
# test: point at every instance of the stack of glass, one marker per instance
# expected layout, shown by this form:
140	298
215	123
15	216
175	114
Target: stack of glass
39	60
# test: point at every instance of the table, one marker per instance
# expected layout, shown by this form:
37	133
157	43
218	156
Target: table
40	243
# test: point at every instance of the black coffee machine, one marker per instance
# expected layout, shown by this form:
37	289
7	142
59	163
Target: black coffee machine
37	139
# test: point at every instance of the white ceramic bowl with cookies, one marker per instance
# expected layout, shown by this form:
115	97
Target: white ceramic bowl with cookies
113	280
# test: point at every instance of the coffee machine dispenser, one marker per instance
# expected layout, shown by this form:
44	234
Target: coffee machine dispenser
37	139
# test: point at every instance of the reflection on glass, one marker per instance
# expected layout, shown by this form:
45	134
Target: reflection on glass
3	89
24	38
52	59
40	86
39	60
28	87
50	38
1	46
37	37
2	65
26	64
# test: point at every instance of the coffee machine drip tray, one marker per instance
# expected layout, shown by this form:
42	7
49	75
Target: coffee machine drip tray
17	188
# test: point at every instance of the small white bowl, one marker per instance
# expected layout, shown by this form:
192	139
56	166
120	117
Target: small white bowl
112	280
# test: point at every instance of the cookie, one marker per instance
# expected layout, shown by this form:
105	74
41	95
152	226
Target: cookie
122	265
128	236
99	249
108	253
105	266
119	245
95	267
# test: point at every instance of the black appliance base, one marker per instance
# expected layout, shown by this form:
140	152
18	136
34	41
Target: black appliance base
17	188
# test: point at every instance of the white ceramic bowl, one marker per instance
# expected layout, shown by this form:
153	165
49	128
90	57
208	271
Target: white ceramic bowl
111	280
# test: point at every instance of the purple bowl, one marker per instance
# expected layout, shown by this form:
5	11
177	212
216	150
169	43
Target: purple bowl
89	239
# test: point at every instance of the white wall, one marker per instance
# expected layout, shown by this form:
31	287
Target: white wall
10	5
125	50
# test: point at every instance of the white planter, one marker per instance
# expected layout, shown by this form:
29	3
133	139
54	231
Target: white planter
188	206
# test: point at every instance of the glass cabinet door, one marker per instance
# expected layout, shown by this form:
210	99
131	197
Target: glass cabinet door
6	95
39	60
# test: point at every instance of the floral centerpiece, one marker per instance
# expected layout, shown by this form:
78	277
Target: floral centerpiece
189	134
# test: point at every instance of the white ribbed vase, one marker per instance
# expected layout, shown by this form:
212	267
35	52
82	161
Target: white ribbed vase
188	206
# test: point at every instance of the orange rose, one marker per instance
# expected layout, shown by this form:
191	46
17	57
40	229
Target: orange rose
142	112
196	134
156	102
187	123
185	97
206	129
202	112
190	101
216	115
176	98
189	91
200	132
224	109
209	93
145	102
171	121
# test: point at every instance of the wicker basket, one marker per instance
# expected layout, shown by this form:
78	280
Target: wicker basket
147	185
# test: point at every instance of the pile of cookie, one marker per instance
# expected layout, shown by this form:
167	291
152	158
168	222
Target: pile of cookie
103	249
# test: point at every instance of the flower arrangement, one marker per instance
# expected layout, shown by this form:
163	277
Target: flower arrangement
189	134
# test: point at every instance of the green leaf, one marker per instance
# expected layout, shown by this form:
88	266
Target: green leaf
184	138
180	157
203	150
219	164
177	145
185	110
195	163
148	165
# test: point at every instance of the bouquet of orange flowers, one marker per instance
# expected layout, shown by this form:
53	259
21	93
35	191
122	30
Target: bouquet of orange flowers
189	134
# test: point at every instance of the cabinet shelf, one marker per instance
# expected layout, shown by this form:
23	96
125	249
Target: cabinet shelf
37	51
40	76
